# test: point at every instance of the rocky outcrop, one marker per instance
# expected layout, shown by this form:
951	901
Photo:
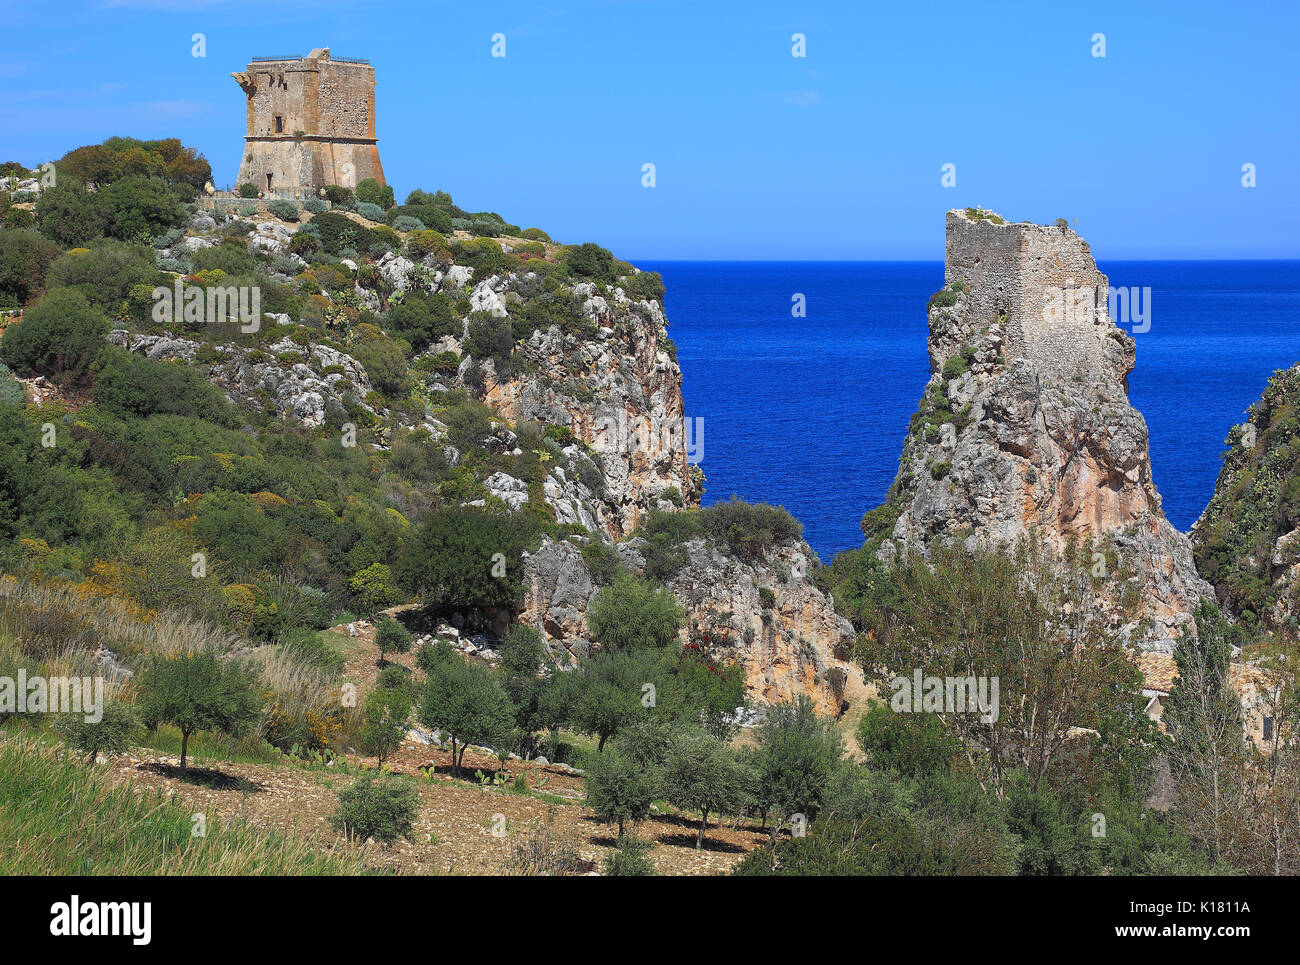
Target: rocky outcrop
768	616
620	392
1025	426
304	384
1247	541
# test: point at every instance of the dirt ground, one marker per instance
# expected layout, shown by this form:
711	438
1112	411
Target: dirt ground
454	830
457	817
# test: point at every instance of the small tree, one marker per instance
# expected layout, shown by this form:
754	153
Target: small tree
798	754
392	637
108	735
59	337
198	691
611	689
383	721
522	655
466	700
1203	717
702	774
383	809
619	788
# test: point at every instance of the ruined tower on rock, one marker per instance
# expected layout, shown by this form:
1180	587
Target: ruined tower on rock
1025	429
311	122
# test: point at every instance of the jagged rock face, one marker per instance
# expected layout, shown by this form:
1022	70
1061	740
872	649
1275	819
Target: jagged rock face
790	645
1025	427
620	393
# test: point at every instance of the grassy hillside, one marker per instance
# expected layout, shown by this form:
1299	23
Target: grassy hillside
61	817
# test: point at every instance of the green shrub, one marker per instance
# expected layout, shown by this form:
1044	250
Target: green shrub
59	337
384	809
25	258
72	216
315	206
108	735
141	207
133	386
631	858
385	362
451	556
283	209
749	530
421	319
371	212
405	223
12	393
106	273
603	562
644	285
630	615
247	190
944	298
561	434
489	337
590	261
371	191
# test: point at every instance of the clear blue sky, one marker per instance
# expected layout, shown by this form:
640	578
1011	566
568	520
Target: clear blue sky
758	154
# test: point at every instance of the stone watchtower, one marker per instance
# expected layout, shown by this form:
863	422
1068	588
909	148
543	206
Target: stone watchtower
311	122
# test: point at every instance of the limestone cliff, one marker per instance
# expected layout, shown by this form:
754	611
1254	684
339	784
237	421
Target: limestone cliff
614	383
620	393
768	616
1025	426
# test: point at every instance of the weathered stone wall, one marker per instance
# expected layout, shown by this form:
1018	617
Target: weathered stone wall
1023	271
326	125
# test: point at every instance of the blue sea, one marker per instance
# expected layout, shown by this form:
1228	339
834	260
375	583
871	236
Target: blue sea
810	413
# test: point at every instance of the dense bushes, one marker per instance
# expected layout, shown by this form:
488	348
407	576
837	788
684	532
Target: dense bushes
283	209
629	614
467	556
421	319
25	258
106	273
490	337
70	215
131	385
59	337
747	530
140	208
371	191
181	168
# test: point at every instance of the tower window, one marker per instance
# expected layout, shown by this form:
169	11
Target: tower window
268	183
279	124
